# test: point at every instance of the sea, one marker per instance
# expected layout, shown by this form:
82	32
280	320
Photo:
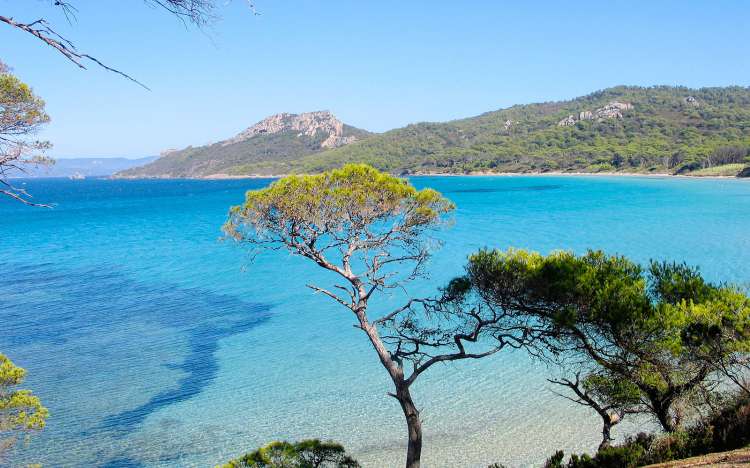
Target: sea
154	342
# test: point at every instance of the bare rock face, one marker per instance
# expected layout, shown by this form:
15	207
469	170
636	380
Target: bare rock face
307	123
567	121
691	101
613	110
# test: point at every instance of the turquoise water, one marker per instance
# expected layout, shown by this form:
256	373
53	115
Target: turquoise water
155	344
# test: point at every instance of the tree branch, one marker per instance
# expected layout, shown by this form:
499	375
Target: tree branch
331	295
42	31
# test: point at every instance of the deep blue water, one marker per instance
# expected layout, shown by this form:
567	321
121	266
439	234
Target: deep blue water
155	343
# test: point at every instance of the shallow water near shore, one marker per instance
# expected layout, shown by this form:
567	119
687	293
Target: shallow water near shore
156	344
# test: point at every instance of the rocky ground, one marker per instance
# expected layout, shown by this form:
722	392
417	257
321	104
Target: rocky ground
731	459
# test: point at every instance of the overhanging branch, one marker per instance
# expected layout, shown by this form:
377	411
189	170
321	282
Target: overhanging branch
44	32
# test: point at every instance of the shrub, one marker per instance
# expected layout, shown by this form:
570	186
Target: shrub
624	456
305	454
556	460
727	429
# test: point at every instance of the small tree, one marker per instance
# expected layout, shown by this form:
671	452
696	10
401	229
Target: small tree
21	117
372	231
310	453
611	397
20	411
647	328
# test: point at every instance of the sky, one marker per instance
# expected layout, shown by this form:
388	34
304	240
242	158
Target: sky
377	65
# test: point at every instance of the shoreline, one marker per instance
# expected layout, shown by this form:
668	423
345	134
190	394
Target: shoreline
472	174
575	174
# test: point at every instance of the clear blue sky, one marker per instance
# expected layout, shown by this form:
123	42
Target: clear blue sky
376	64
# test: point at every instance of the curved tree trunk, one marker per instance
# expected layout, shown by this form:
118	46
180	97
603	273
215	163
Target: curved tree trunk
403	395
414	426
662	411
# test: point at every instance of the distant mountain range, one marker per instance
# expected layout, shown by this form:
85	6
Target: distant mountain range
658	129
87	167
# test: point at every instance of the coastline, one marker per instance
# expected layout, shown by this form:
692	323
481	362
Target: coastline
575	174
471	174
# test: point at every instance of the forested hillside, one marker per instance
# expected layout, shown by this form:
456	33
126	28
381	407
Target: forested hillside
623	129
659	129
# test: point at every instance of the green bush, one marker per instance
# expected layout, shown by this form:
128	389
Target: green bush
311	453
627	455
727	429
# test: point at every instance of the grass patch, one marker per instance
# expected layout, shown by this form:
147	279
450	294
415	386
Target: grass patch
723	170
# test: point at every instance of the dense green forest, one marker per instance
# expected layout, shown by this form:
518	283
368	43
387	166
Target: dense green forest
668	129
658	129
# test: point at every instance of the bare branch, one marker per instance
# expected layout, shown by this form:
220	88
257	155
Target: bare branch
18	197
388	317
42	31
331	295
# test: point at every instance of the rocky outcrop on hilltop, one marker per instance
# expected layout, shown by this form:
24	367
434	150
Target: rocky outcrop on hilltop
691	101
613	110
567	121
264	148
307	123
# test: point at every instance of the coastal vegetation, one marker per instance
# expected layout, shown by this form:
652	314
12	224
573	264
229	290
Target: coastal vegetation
310	453
21	412
723	170
647	340
627	129
726	427
659	129
22	115
659	341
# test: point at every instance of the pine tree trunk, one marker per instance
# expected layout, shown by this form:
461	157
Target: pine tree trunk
414	425
606	436
664	418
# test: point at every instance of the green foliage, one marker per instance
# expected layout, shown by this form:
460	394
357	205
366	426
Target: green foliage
368	228
725	170
611	390
661	133
19	107
354	199
556	460
20	411
22	115
726	429
310	453
652	337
